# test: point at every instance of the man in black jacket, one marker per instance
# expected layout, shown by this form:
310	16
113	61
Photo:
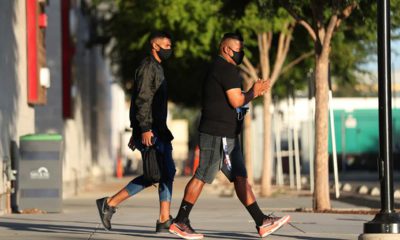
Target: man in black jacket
148	116
220	126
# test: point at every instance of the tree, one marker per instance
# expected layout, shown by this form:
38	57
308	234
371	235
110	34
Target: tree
268	38
195	27
322	19
198	27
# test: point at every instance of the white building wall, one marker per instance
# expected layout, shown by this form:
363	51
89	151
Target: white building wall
180	153
88	140
89	146
16	117
107	119
120	122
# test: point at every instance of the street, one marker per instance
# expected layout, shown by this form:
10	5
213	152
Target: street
216	217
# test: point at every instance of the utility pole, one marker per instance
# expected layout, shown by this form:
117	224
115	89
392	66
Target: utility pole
387	220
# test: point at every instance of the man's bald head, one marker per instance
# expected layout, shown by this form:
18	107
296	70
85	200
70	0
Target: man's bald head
231	40
231	44
234	44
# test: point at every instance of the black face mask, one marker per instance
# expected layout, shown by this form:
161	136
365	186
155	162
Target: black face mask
164	54
237	56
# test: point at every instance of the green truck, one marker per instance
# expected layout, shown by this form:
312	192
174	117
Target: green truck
357	138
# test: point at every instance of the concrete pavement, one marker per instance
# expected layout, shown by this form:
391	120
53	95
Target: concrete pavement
216	217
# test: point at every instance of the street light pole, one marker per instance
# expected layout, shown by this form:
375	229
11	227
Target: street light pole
387	220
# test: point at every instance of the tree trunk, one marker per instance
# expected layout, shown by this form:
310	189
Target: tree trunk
264	45
266	188
321	193
248	143
247	123
322	42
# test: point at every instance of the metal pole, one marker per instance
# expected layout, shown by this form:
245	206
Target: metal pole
297	156
311	104
279	170
343	143
297	159
333	138
387	220
334	152
385	106
290	143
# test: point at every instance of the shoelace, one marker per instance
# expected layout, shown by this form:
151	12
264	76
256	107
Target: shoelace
290	224
272	216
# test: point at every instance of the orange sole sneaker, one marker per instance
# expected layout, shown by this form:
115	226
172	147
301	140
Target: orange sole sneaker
269	229
174	229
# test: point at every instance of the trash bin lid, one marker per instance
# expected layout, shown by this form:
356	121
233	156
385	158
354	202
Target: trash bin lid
41	137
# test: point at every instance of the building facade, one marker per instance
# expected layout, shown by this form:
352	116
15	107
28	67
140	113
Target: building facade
57	80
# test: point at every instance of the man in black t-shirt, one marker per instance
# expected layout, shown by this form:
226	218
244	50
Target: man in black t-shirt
220	125
218	116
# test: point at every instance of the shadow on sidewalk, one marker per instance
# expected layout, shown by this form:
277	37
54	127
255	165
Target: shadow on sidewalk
51	226
136	231
363	201
49	220
228	235
304	237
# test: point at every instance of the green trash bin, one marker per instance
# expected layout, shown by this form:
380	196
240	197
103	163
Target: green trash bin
39	173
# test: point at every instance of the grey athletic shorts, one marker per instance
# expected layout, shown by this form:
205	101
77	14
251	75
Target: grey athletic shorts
211	158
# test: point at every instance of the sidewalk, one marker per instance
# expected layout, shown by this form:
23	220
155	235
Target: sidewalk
216	217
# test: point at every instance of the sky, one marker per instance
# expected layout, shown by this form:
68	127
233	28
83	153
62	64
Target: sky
372	67
395	57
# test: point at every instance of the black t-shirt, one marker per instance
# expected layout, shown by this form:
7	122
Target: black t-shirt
218	117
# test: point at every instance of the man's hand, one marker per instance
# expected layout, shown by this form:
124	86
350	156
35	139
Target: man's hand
146	138
260	87
237	98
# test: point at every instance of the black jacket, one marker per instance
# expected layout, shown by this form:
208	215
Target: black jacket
149	108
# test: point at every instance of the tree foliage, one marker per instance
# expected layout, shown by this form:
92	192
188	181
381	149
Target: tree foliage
354	42
323	20
195	28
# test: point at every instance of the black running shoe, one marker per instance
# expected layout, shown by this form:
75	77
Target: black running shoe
163	227
105	212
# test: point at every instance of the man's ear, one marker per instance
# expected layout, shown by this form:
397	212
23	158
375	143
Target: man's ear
226	50
155	46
